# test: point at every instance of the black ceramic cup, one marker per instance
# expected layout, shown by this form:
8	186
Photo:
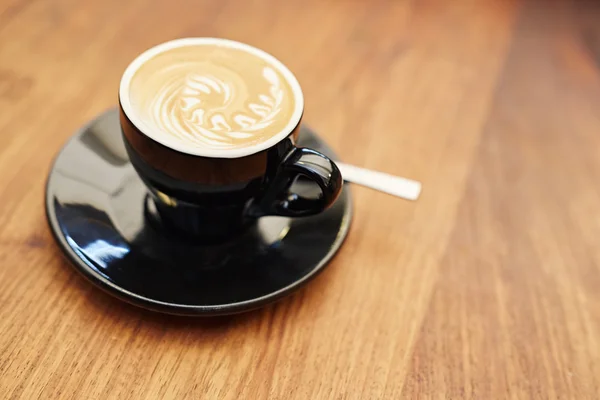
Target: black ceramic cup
214	195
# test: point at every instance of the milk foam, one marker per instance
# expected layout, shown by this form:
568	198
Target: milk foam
211	97
179	108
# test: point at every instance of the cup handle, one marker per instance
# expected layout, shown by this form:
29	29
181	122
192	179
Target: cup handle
277	198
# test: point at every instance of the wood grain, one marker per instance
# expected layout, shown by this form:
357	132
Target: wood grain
488	287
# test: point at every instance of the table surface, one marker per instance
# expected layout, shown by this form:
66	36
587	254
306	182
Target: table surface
487	287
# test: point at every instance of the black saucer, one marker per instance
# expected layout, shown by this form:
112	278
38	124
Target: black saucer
98	211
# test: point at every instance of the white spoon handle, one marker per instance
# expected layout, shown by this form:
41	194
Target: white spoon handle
394	185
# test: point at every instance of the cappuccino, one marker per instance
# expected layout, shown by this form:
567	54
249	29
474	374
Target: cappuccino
211	95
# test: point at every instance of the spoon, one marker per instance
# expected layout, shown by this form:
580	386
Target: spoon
395	185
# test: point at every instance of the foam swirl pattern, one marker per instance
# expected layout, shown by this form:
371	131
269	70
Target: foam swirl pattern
212	97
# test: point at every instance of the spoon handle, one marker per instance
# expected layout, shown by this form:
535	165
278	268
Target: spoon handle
394	185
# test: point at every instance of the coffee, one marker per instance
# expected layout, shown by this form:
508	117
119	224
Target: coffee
210	125
214	95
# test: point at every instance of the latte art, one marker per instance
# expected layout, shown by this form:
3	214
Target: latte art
201	109
212	97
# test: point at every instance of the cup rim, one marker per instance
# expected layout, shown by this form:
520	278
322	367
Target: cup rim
149	131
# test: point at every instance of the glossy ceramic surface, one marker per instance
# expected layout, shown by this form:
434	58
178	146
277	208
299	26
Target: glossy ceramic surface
101	216
219	197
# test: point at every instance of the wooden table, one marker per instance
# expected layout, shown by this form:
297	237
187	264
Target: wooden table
488	287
